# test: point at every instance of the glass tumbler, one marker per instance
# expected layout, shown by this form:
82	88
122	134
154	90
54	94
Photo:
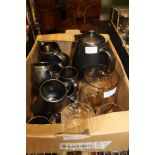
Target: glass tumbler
74	117
99	86
124	21
109	108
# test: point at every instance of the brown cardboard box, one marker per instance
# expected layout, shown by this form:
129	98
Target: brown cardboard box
106	132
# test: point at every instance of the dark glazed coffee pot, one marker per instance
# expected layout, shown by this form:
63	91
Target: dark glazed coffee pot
90	49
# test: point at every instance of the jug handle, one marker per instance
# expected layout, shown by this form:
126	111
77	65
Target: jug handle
56	76
60	65
51	74
68	98
111	57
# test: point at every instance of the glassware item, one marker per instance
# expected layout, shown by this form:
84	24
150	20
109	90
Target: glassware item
74	117
124	21
109	108
99	86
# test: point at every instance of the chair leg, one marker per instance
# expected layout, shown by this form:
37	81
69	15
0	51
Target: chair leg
74	20
84	20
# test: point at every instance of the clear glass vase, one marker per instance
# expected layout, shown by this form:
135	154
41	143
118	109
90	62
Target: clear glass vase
99	86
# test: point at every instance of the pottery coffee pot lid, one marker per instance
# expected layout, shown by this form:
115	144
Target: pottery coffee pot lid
91	38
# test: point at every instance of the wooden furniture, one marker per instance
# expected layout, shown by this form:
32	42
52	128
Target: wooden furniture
115	17
83	8
81	14
79	9
116	37
49	14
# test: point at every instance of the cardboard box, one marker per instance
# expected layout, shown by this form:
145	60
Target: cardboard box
107	132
